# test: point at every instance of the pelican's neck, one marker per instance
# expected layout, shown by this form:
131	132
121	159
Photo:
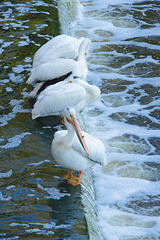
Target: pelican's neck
92	93
69	137
91	89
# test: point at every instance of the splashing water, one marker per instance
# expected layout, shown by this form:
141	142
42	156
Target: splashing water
124	62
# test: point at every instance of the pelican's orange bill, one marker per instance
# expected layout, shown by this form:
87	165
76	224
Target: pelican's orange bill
80	136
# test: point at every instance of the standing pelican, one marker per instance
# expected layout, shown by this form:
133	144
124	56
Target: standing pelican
55	67
76	150
55	98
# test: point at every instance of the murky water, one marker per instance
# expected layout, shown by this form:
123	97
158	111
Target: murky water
35	202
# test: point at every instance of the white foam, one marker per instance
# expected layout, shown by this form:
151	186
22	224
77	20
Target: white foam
5	175
39	163
113	192
103	3
14	141
9	89
10	187
14	224
53	192
130	175
70	12
119	225
17	108
4	198
39	231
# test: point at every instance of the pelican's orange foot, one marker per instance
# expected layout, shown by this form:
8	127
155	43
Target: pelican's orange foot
72	177
78	180
73	182
66	176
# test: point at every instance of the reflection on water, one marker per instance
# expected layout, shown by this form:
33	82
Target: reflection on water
35	202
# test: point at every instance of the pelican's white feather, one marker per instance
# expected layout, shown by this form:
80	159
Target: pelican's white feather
65	52
55	98
33	93
97	150
61	46
51	70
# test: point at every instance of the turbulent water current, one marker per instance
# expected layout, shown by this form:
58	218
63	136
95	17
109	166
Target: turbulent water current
121	200
124	62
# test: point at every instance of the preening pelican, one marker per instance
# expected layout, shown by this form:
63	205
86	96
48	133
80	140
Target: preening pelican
61	46
76	150
55	98
54	67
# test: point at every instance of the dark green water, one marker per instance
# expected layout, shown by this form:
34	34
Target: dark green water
35	202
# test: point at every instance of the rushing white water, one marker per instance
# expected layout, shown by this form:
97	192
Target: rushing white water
124	63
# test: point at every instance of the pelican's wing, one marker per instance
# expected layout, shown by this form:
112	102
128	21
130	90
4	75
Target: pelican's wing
61	46
66	51
55	98
51	70
97	150
33	93
60	134
57	42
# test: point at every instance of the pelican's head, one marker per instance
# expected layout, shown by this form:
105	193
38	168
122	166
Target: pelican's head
69	116
84	48
87	45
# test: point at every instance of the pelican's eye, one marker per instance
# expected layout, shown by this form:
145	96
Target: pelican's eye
71	116
70	81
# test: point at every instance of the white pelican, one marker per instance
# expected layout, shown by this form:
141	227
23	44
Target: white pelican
76	151
61	46
55	98
58	66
